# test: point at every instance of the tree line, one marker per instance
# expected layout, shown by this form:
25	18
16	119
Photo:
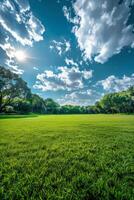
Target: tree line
16	97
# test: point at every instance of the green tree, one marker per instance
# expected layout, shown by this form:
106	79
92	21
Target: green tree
51	106
38	104
11	87
22	106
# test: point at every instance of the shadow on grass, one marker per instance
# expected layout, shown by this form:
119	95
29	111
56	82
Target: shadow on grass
2	116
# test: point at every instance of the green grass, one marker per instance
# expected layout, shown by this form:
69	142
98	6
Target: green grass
69	157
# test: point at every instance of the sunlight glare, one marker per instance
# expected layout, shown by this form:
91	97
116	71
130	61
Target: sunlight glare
20	55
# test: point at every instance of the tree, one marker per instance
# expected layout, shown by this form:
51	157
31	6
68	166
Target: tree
71	109
51	106
38	104
121	102
11	87
131	91
22	106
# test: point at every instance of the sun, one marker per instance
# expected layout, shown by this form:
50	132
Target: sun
20	55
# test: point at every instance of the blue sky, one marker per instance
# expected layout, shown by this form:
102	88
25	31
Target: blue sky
71	51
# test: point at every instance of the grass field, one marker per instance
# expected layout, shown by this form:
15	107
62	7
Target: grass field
72	157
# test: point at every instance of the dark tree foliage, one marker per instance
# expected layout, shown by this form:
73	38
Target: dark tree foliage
51	106
121	102
38	104
16	97
11	87
70	109
22	106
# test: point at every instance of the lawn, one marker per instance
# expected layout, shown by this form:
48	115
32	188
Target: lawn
69	157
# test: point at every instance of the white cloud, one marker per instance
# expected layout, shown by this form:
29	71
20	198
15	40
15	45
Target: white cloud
18	26
61	47
10	52
101	27
66	79
81	97
15	69
115	84
36	68
67	14
9	49
70	62
24	5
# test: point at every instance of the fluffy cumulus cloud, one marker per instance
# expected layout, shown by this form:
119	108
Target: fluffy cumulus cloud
60	47
101	27
66	79
71	62
115	84
81	97
18	25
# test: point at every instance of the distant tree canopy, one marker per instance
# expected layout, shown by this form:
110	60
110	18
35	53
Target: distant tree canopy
121	102
16	97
